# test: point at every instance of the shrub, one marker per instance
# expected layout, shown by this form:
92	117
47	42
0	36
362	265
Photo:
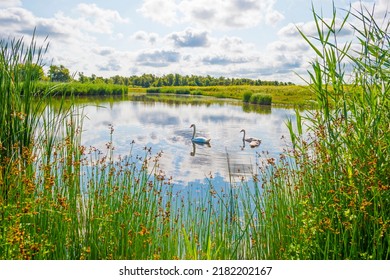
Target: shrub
261	99
247	95
153	90
182	91
196	92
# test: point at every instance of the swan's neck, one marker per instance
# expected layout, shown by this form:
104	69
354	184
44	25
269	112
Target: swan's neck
243	137
193	134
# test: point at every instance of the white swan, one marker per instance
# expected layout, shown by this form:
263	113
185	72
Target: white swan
201	140
249	139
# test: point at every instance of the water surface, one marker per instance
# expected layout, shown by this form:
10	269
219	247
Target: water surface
165	126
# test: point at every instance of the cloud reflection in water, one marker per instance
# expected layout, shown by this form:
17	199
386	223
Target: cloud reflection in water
165	127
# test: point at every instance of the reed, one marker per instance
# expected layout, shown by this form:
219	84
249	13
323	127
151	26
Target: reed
328	197
85	89
19	112
28	136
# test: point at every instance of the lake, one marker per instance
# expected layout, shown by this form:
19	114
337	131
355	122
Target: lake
163	124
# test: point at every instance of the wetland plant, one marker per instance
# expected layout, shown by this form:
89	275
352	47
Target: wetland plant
332	200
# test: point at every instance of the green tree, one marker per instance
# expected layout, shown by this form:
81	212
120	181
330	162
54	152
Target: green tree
169	80
83	78
59	74
118	80
177	81
31	71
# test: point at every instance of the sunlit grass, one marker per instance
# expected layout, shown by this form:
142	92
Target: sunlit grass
281	95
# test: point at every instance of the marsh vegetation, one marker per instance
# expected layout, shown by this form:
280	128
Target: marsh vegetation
293	95
77	89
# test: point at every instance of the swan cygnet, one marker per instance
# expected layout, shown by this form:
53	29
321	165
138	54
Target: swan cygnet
199	139
254	143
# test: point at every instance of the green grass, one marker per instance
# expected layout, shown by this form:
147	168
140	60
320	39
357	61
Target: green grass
76	88
175	90
326	197
281	95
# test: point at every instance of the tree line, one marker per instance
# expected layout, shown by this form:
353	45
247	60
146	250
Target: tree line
62	74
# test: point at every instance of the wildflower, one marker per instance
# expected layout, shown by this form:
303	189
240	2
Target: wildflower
143	231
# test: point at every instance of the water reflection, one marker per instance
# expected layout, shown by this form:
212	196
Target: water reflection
193	152
247	107
165	126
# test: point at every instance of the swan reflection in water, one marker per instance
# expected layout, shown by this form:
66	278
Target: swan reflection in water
252	144
194	147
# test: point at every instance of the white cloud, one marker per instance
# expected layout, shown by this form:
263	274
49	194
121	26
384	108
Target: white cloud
18	22
72	40
273	17
224	14
104	51
291	46
15	18
220	14
158	58
224	60
112	64
234	45
290	30
310	29
94	19
10	3
101	20
164	11
190	38
149	37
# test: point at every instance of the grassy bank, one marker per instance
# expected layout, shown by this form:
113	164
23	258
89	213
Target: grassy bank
326	197
76	88
282	95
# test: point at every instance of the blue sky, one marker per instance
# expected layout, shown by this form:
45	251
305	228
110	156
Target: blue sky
231	38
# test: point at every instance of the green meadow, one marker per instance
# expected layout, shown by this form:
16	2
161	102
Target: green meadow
294	95
326	197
